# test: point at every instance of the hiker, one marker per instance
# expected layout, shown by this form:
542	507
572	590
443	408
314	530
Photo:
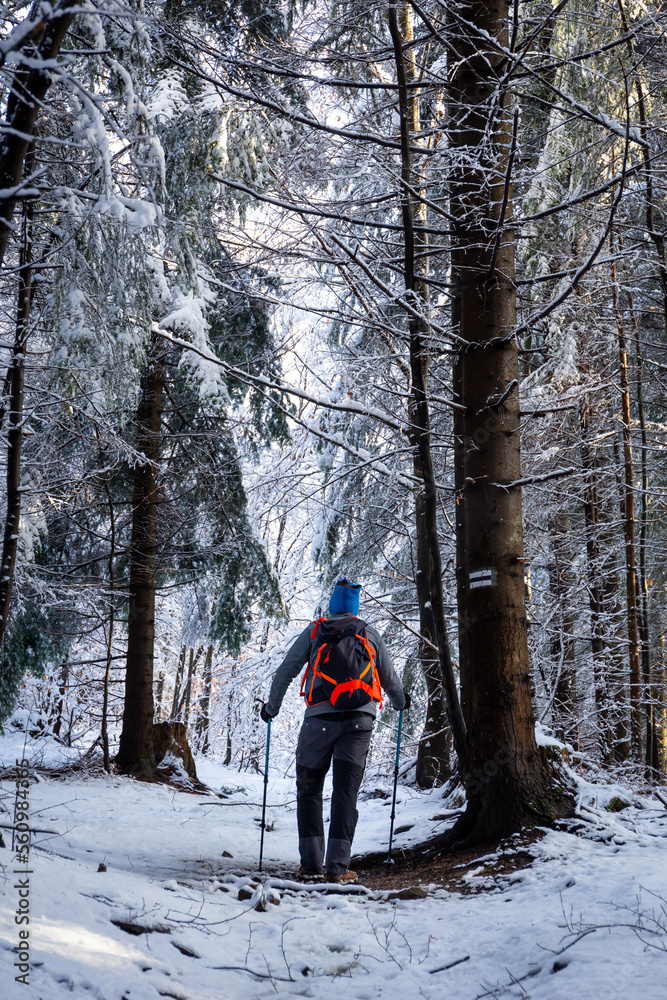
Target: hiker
348	663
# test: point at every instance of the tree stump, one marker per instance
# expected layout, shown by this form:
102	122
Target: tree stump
171	738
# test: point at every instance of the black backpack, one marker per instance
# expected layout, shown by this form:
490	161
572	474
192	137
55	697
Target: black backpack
343	669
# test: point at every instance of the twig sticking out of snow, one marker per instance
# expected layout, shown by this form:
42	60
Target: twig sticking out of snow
450	965
661	797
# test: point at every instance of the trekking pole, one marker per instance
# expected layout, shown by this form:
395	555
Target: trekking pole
266	785
389	860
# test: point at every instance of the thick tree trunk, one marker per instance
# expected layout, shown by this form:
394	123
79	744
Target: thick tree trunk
507	781
15	385
23	106
429	570
136	753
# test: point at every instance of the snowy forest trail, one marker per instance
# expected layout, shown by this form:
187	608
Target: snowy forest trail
295	292
587	918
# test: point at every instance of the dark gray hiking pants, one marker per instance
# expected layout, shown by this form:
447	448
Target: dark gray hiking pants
345	741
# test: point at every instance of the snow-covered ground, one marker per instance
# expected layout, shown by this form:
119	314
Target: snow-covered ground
587	921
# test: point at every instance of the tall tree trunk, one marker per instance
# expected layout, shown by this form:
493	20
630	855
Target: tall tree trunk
23	106
159	695
229	715
178	680
654	232
654	757
204	716
661	705
614	619
429	564
657	235
15	385
136	753
507	780
192	669
433	753
608	665
628	511
562	647
112	623
62	694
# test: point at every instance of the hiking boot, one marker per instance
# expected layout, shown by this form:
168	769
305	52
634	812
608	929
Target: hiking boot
310	876
346	878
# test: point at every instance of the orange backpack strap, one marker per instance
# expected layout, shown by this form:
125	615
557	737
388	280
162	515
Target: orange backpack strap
316	623
355	685
316	673
376	690
313	666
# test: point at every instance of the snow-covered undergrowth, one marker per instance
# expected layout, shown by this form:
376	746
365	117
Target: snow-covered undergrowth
586	920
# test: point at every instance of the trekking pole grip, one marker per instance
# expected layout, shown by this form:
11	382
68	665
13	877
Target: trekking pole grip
398	739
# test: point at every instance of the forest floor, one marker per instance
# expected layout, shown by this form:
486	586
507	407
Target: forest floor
180	910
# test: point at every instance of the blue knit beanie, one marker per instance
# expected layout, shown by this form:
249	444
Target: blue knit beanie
345	598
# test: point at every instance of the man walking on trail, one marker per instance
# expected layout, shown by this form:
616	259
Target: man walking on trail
347	664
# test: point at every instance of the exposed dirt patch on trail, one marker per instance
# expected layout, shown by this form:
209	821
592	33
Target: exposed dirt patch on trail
452	870
474	870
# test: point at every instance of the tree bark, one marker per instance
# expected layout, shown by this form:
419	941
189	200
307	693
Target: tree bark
159	695
192	669
507	780
562	647
429	563
62	694
653	742
657	235
655	232
661	706
112	623
204	716
628	513
603	603
136	753
616	635
178	679
23	106
433	752
15	380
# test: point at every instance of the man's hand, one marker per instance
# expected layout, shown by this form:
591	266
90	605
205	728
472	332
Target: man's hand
264	715
408	700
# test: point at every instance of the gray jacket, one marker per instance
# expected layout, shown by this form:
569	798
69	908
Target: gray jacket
304	650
